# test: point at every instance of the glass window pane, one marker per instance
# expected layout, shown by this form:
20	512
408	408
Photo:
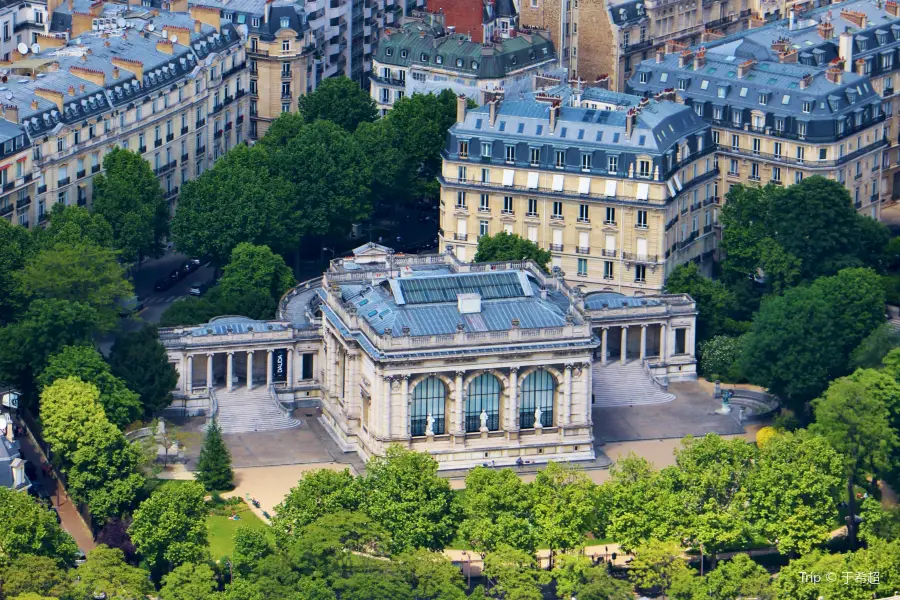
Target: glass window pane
483	395
538	390
429	398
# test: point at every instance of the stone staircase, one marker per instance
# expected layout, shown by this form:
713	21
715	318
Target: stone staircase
242	411
616	384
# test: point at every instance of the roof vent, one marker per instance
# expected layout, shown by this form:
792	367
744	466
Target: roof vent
468	304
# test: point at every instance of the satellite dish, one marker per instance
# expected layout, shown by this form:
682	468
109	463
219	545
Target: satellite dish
22	48
9	95
173	39
35	48
120	22
151	27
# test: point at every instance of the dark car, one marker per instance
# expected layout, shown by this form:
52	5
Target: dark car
190	265
164	284
175	275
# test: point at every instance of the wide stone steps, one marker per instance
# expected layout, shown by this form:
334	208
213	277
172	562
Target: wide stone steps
616	384
242	411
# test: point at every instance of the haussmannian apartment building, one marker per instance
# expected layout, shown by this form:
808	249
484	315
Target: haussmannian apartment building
603	180
168	87
796	98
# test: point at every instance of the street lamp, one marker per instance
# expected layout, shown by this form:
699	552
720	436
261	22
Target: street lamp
330	250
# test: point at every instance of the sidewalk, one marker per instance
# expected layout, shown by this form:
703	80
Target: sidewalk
68	512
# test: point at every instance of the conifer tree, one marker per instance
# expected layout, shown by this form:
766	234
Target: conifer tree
214	467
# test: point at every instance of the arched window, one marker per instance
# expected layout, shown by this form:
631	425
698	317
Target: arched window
483	395
429	397
538	390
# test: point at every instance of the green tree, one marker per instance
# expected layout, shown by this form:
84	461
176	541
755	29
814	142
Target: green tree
73	226
564	502
68	406
255	269
576	575
241	199
330	175
105	574
715	302
793	346
818	575
403	493
739	577
509	246
27	527
375	583
793	491
515	574
44	329
15	247
190	581
251	545
214	465
878	522
872	350
84	273
28	573
431	575
332	544
121	405
720	358
141	361
657	565
497	509
319	492
378	142
169	527
857	424
339	100
128	195
856	300
105	471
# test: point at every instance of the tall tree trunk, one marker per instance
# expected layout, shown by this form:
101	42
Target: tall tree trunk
851	516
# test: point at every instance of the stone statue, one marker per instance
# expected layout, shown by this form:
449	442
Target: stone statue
429	425
484	419
161	427
537	418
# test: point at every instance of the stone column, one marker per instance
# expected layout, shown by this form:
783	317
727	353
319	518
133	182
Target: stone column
587	375
249	369
209	370
229	372
291	355
386	407
604	348
404	411
512	417
268	368
189	384
663	346
566	413
459	416
624	351
643	342
690	341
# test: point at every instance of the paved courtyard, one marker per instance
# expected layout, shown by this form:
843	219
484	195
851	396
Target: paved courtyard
692	412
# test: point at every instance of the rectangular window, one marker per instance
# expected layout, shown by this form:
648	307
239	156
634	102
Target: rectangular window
640	274
485	149
485	176
776	174
586	162
560	159
644	168
608	272
612	164
535	157
484	228
507	205
460	199
510	154
461	173
641	219
557	209
485	204
582	267
610	216
777	149
532	207
463	149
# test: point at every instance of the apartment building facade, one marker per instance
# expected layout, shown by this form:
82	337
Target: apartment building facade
601	37
173	90
483	20
786	104
598	178
424	58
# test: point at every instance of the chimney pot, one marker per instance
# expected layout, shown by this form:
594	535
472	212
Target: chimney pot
71	90
34	105
461	108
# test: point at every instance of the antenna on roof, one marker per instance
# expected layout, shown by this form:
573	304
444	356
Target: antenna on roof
22	48
36	48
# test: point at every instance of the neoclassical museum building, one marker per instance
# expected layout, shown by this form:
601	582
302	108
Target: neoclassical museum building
469	362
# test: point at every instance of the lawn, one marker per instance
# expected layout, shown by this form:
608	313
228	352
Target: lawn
222	528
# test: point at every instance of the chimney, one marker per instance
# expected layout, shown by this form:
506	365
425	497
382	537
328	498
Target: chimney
71	90
630	118
492	105
892	8
115	72
845	50
834	73
745	67
421	34
699	59
685	58
197	24
165	47
858	19
554	114
34	105
33	75
660	55
461	108
11	113
805	81
268	8
826	30
602	81
81	88
860	66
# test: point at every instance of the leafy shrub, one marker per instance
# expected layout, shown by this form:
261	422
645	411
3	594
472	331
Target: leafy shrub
719	359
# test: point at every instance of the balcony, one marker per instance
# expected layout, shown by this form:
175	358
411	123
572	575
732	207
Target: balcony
171	193
582	250
166	168
184	158
170	137
142	149
240	119
888	91
95	168
462	237
80	174
201	150
710	200
184	130
42	189
22	202
608	253
609	223
556	247
584	220
707	228
200	123
640	258
63	181
556	217
696	206
5	210
228	126
157	143
217	134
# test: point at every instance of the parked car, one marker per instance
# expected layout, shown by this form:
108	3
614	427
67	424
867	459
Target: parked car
164	284
201	288
175	275
130	305
190	265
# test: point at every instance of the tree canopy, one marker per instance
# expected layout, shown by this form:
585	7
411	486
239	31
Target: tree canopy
141	361
509	246
339	100
28	528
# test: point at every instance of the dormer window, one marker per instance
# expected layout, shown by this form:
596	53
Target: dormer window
644	76
512	60
682	84
861	43
285	22
763	99
439	59
459	63
404	53
424	58
389	51
254	22
663	77
882	37
723	91
474	65
807	106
